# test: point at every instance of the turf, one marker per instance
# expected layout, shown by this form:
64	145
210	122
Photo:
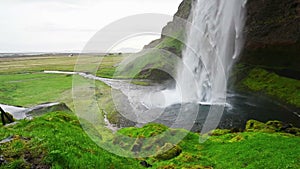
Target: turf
56	140
32	89
278	87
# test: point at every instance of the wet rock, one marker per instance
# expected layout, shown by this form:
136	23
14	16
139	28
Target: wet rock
293	130
275	125
7	118
145	164
13	137
168	151
2	160
47	108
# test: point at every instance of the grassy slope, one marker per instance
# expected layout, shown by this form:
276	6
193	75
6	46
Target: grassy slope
229	150
57	140
282	88
155	63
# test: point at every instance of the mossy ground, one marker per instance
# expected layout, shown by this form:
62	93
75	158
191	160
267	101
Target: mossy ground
56	140
271	84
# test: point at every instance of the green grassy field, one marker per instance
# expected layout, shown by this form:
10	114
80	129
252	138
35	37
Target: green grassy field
56	140
107	64
33	89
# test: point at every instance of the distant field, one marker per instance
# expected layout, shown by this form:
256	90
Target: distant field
22	82
62	63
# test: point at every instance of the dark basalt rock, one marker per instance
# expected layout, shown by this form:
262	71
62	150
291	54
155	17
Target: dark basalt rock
272	33
145	164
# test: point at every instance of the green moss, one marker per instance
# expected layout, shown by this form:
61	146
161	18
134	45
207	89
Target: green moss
253	125
282	88
147	131
54	140
219	132
171	44
168	151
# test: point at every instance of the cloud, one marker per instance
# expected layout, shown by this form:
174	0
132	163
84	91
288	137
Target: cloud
41	23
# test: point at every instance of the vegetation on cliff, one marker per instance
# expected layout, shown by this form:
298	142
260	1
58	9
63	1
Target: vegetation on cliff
271	84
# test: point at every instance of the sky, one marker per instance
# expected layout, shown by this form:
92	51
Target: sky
67	25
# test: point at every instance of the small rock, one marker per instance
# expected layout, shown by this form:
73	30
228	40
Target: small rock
2	160
168	151
145	164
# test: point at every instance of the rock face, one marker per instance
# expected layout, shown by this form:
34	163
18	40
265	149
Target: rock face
272	22
272	33
175	26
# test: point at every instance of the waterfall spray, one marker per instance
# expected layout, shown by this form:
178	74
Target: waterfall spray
214	41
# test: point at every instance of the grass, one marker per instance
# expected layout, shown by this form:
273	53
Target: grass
57	140
31	89
281	88
226	150
144	65
107	64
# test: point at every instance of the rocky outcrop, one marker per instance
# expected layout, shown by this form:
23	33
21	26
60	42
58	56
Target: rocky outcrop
273	34
272	22
177	26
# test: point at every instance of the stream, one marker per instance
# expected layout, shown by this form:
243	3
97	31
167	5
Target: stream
240	107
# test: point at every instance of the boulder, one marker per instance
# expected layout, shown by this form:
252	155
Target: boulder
168	151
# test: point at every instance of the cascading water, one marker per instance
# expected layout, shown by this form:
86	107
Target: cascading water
214	41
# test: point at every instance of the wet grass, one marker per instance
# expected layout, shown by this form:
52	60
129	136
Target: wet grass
57	140
225	149
271	84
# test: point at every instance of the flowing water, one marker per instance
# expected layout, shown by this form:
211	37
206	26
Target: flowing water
200	101
214	41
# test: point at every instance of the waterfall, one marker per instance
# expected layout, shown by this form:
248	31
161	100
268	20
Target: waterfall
214	41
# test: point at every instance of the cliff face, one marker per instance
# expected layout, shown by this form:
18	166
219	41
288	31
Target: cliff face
272	31
175	27
273	34
272	22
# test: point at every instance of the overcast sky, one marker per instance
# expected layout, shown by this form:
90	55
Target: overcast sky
66	25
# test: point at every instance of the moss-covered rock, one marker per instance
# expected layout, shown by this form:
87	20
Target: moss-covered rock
219	132
272	126
168	151
253	125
